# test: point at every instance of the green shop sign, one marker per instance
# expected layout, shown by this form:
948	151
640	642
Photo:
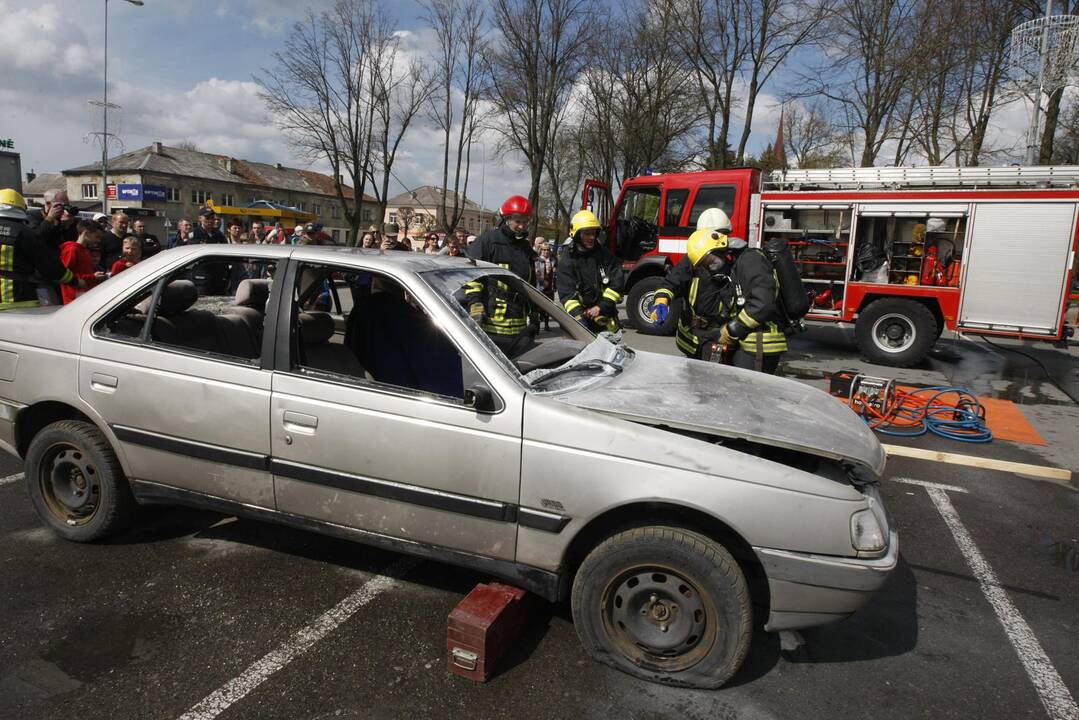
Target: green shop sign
7	143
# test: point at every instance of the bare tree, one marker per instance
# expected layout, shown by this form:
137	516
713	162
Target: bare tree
400	88
773	30
532	69
319	93
1066	146
811	138
873	56
713	41
459	30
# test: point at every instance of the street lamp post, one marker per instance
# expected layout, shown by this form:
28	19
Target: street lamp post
105	116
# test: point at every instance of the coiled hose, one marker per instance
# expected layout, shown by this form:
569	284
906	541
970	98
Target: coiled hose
929	410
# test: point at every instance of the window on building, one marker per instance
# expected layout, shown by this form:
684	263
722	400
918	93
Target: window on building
172	194
89	191
301	206
335	210
367	214
316	209
336	235
393	217
226	198
199	197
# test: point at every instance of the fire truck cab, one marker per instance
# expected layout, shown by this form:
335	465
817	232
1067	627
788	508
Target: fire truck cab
902	253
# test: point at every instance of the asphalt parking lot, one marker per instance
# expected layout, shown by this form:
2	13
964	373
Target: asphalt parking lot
197	615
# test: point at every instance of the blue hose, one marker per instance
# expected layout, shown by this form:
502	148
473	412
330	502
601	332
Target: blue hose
964	421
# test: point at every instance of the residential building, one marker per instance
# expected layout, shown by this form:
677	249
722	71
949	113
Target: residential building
422	208
37	184
168	183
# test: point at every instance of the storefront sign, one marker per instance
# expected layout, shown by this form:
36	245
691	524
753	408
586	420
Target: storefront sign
129	191
110	192
154	193
7	144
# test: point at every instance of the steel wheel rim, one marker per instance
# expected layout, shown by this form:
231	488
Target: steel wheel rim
894	333
637	604
646	304
70	484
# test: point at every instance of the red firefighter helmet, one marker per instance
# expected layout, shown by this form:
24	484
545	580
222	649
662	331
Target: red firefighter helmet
515	205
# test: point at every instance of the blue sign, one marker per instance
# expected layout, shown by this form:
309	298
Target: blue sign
129	192
157	193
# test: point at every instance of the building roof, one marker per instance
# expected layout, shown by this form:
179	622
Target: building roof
44	182
429	197
167	160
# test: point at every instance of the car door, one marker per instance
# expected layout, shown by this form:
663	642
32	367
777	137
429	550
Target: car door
178	376
357	443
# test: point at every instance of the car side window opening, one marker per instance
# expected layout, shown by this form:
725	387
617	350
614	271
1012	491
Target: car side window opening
713	196
364	327
215	305
638	218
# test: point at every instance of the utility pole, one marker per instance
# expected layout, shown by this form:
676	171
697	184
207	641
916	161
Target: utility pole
1033	141
105	115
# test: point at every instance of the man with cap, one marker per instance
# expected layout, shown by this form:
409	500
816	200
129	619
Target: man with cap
27	260
391	238
206	232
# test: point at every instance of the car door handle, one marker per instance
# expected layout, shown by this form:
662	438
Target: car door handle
299	422
103	383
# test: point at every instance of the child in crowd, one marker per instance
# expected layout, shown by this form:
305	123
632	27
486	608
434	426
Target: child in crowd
132	253
78	257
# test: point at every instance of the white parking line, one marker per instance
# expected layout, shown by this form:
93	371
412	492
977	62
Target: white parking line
1054	694
232	691
923	483
10	479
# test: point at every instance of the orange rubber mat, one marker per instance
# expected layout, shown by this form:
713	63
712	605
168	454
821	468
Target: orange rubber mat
1008	422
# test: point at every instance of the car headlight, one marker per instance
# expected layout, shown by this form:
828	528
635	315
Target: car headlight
866	534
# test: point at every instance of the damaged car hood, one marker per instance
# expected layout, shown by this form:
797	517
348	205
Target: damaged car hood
733	403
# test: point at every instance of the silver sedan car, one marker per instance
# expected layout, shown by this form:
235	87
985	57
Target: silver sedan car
349	392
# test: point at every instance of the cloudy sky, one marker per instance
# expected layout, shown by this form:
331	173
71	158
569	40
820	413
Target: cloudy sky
182	70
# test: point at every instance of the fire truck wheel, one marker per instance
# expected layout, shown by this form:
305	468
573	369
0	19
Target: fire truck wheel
664	604
639	308
896	332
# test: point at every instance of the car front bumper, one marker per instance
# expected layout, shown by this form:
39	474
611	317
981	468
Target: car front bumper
808	590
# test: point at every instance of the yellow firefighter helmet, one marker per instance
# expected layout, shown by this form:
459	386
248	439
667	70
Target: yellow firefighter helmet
583	220
702	242
12	205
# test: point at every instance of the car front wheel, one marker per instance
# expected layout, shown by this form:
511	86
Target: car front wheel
76	483
664	604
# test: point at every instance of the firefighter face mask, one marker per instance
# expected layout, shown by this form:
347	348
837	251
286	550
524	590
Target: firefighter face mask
715	262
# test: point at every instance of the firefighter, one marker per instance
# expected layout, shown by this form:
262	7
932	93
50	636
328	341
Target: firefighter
27	260
590	277
731	307
500	310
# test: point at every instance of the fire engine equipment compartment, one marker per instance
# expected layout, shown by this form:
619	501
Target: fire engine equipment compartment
819	240
908	249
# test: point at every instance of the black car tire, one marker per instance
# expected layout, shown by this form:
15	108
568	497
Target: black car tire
896	332
639	579
638	305
76	483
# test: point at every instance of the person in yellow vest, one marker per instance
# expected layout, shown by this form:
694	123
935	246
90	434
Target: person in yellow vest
590	277
26	259
730	292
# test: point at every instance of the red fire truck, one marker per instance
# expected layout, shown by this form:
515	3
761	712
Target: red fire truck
900	252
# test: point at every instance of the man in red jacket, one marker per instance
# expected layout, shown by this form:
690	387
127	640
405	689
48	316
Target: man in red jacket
78	257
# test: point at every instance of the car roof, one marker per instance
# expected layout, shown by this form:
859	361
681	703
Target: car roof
392	259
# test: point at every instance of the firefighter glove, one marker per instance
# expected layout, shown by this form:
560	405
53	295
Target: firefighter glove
735	329
476	311
659	312
725	339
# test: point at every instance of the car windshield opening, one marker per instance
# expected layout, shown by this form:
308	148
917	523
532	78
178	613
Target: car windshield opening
526	330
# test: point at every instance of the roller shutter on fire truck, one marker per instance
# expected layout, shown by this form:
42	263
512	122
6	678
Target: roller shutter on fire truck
1016	275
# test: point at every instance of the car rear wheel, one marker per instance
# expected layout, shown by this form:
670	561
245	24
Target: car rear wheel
76	483
639	304
664	604
896	332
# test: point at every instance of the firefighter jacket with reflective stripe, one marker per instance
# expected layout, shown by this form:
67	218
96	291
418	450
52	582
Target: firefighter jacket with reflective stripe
709	302
26	261
757	287
590	277
504	309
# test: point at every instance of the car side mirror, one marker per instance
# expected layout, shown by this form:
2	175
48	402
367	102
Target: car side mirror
480	398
